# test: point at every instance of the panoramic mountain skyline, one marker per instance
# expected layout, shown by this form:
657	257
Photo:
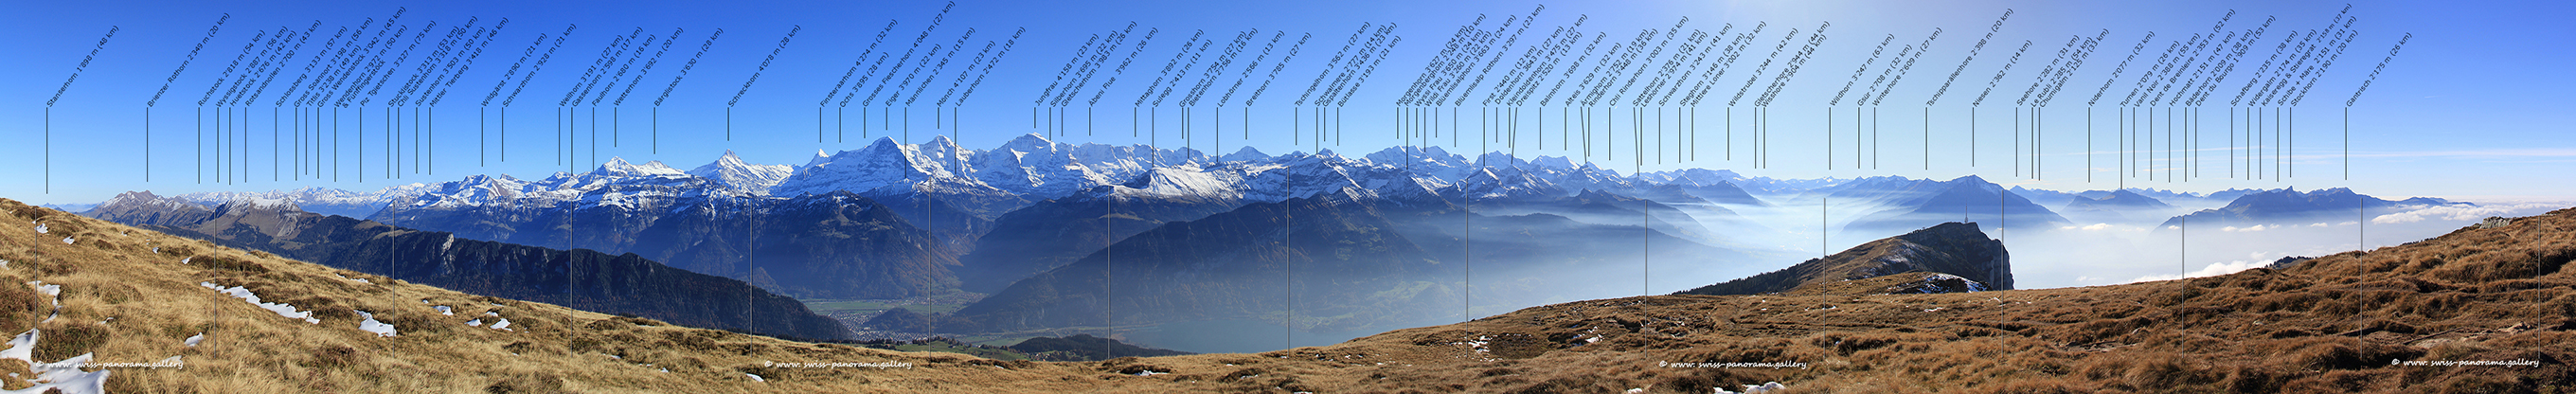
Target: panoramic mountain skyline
1002	196
951	192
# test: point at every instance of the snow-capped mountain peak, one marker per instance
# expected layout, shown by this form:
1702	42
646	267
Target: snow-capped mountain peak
819	157
1033	165
617	166
881	164
1245	154
1030	142
1187	181
1557	162
732	173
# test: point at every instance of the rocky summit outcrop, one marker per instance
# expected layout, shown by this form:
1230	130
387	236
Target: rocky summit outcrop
1947	258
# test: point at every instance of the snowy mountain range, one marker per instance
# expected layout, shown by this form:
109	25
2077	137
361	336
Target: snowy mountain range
1031	168
952	198
1032	222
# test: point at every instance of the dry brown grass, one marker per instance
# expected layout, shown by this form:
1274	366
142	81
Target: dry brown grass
124	302
2331	325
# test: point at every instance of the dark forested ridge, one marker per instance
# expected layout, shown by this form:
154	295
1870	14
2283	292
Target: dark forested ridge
580	278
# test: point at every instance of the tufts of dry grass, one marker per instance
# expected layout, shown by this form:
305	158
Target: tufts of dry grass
123	301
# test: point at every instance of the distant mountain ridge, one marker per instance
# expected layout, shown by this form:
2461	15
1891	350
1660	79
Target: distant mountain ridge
901	220
1899	204
1955	257
581	279
2116	199
912	220
2290	206
928	208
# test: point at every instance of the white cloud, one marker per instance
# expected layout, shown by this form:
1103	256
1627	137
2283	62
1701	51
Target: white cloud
2458	213
2152	278
2208	271
2477	153
2227	268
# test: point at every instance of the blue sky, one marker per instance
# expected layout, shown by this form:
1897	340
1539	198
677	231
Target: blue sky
2470	108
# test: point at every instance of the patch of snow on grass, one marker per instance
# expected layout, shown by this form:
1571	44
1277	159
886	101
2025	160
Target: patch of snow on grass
67	240
371	325
282	309
1765	388
755	378
65	376
193	340
54	292
504	325
20	347
444	310
40	228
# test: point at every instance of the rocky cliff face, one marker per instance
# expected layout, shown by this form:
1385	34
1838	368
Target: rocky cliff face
581	279
1954	257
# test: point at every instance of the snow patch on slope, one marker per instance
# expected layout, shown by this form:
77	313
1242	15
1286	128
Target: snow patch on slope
53	292
281	309
371	325
63	375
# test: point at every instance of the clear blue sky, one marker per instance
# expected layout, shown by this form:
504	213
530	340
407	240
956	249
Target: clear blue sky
2470	108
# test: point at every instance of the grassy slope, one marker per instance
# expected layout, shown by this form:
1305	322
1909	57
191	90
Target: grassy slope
2331	324
113	271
